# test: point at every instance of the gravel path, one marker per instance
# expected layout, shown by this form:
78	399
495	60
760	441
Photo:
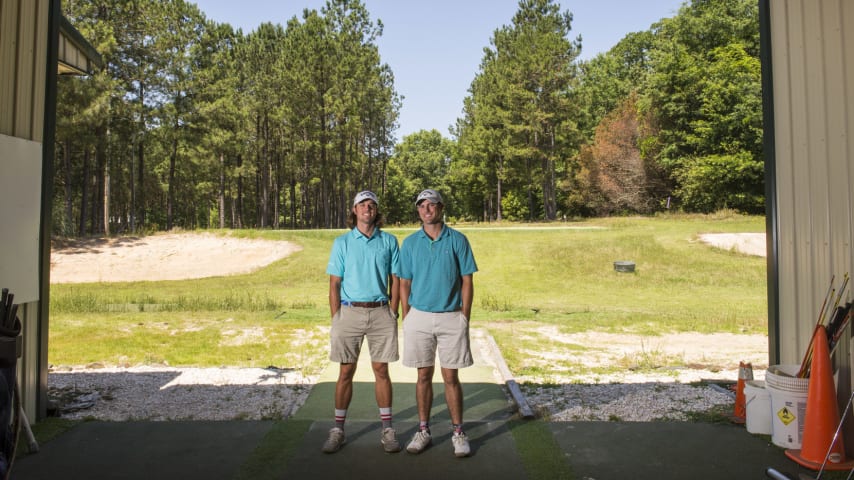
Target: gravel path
163	393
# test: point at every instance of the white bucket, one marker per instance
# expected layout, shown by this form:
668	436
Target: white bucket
758	407
788	404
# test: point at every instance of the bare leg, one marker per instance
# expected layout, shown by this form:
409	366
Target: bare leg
344	385
424	393
382	384
343	395
453	395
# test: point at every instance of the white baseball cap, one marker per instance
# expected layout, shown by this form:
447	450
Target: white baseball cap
365	195
431	196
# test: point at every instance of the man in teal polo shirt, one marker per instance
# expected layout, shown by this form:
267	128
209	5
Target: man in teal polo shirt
436	292
363	299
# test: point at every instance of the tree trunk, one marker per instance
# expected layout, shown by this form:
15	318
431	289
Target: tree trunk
239	200
277	182
107	195
141	158
66	160
498	200
549	200
221	190
263	177
170	193
84	194
100	162
293	191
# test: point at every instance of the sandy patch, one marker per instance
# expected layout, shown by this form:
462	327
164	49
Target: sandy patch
161	257
712	356
747	243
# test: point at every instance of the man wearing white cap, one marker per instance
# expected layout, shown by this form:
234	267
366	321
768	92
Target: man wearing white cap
436	292
363	299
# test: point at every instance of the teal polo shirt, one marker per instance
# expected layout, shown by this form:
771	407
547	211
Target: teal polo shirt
435	268
364	264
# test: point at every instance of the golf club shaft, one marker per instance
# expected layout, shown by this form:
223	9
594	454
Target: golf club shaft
808	352
836	434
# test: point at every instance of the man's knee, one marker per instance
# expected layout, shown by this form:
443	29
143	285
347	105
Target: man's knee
450	376
381	371
346	372
425	375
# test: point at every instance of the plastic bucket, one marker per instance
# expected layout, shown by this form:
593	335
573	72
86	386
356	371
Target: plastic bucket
758	403
788	404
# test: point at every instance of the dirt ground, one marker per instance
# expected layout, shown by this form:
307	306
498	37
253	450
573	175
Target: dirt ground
168	256
748	243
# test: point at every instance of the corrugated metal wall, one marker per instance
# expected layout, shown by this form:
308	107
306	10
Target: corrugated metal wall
812	57
23	57
813	95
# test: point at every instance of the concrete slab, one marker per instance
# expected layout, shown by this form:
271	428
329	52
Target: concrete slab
493	456
144	450
667	451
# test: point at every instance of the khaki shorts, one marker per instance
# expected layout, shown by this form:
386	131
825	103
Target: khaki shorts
351	325
425	333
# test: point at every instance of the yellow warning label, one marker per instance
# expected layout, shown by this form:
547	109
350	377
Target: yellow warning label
786	416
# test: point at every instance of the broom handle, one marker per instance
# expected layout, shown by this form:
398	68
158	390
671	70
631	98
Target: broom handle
805	365
808	352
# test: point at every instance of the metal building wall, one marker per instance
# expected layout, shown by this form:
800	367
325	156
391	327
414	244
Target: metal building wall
812	69
23	75
23	55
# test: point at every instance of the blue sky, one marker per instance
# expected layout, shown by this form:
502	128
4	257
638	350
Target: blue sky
434	47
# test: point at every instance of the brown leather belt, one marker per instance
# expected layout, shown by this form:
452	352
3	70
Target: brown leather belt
364	304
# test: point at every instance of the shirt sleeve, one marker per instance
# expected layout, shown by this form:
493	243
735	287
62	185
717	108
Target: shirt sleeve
466	257
395	256
404	264
336	258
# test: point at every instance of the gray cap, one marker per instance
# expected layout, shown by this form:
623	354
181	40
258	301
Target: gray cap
431	196
365	195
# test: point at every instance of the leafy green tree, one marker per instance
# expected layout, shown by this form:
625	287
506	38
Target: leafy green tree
85	113
193	124
731	110
356	81
521	90
479	169
177	42
705	94
609	78
218	126
422	160
716	182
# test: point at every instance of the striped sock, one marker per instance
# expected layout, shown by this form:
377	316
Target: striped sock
340	416
385	416
458	428
424	425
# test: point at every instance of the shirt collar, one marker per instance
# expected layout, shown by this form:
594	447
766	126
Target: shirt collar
358	234
441	234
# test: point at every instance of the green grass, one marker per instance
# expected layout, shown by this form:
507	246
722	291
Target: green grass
539	451
270	458
532	279
44	431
